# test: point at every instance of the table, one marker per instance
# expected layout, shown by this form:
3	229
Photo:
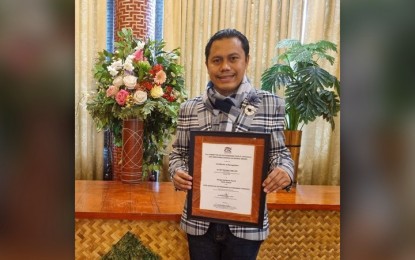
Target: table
305	223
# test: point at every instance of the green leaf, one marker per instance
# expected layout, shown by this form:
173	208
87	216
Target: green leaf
276	76
288	43
310	91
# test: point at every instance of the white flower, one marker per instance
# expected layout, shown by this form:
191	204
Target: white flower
176	93
130	81
128	64
140	97
250	110
114	67
118	81
156	92
112	71
117	64
140	45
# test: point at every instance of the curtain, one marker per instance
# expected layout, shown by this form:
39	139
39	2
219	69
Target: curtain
190	23
320	147
90	24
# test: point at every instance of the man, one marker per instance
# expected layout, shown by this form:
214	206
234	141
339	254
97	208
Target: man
230	103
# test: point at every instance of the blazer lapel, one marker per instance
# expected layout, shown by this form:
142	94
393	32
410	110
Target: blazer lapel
204	117
244	121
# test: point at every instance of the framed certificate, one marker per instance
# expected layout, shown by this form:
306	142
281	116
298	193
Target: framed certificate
228	169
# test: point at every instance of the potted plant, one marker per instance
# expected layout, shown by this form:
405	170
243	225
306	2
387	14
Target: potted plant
310	91
139	80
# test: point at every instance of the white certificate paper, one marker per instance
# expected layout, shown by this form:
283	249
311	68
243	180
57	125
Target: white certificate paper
227	179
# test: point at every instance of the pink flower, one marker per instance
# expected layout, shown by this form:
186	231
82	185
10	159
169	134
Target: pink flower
112	91
139	55
121	97
160	77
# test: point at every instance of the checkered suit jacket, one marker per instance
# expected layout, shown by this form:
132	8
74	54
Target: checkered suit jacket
196	114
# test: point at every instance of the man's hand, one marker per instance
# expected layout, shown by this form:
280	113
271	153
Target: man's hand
182	180
278	179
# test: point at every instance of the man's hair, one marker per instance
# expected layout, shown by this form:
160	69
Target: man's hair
227	33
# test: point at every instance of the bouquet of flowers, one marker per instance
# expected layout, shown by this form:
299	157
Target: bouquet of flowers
139	80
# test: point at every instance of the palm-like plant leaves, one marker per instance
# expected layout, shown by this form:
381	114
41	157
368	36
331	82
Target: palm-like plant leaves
310	90
277	76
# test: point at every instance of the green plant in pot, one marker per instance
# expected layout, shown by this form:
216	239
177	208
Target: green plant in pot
310	91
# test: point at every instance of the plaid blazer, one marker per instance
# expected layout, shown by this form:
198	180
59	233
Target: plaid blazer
196	114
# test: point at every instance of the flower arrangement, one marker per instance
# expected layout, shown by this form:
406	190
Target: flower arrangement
139	80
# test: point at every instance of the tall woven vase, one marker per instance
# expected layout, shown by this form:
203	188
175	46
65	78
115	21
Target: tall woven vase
132	151
293	143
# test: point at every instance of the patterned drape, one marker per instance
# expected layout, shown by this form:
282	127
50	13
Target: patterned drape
90	23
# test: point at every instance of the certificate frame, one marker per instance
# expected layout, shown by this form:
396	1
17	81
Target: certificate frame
258	145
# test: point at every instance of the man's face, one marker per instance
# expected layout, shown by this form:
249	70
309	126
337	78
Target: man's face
226	65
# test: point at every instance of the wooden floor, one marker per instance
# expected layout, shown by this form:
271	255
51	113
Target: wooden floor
159	200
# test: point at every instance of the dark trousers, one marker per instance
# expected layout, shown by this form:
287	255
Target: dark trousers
219	243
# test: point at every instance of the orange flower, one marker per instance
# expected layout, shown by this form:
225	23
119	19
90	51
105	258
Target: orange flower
160	77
